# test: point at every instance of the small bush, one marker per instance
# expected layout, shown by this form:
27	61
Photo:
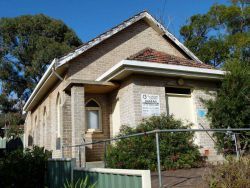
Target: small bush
177	150
80	183
24	168
231	174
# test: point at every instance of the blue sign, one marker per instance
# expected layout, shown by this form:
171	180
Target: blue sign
201	113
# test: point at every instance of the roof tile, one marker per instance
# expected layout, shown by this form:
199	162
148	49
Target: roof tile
155	56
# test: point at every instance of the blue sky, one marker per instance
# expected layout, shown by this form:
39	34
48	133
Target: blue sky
88	18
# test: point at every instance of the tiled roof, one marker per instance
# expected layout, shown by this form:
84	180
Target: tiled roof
155	56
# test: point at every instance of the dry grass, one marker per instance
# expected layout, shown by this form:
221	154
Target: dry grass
232	173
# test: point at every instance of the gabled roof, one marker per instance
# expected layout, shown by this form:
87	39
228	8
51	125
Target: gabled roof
141	16
57	63
151	55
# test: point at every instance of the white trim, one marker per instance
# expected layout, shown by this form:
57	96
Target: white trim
152	67
145	174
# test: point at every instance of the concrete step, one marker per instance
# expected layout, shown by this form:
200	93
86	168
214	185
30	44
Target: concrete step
95	164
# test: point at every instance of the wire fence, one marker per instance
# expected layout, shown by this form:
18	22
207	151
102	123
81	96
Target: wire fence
82	147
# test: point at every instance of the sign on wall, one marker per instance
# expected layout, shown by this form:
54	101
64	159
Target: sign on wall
150	105
202	113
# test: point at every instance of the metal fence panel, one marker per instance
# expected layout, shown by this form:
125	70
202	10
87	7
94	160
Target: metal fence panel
59	171
114	178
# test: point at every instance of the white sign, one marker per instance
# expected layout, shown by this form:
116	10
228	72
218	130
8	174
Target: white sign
150	105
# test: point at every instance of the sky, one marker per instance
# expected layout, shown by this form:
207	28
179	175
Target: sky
89	18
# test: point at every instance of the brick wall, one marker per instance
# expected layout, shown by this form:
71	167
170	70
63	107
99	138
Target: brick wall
99	59
156	85
49	103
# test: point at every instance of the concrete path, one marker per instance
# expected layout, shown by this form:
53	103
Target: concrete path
190	178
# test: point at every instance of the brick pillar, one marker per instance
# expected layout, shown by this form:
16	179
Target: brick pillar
78	120
67	129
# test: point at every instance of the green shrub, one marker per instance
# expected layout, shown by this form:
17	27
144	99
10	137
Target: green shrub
177	150
24	168
231	174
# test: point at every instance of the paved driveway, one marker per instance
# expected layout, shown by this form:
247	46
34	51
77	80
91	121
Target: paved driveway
191	178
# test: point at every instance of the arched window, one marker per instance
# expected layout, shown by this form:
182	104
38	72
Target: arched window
59	122
93	116
58	110
35	129
30	140
44	127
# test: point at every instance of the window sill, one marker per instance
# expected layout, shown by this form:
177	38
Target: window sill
93	131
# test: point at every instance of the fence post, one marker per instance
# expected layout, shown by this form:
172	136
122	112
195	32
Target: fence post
158	158
236	146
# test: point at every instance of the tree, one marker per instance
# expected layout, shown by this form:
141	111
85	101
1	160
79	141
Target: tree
221	33
231	107
221	37
27	45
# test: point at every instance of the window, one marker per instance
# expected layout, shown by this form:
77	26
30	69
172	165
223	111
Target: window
58	114
93	116
179	103
58	127
44	128
30	140
35	131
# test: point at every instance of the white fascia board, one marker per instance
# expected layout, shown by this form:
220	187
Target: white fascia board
152	67
45	76
112	70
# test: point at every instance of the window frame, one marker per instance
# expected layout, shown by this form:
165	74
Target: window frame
99	109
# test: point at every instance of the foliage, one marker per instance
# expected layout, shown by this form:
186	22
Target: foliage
231	174
80	183
13	121
177	150
231	107
10	114
27	45
221	33
24	168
